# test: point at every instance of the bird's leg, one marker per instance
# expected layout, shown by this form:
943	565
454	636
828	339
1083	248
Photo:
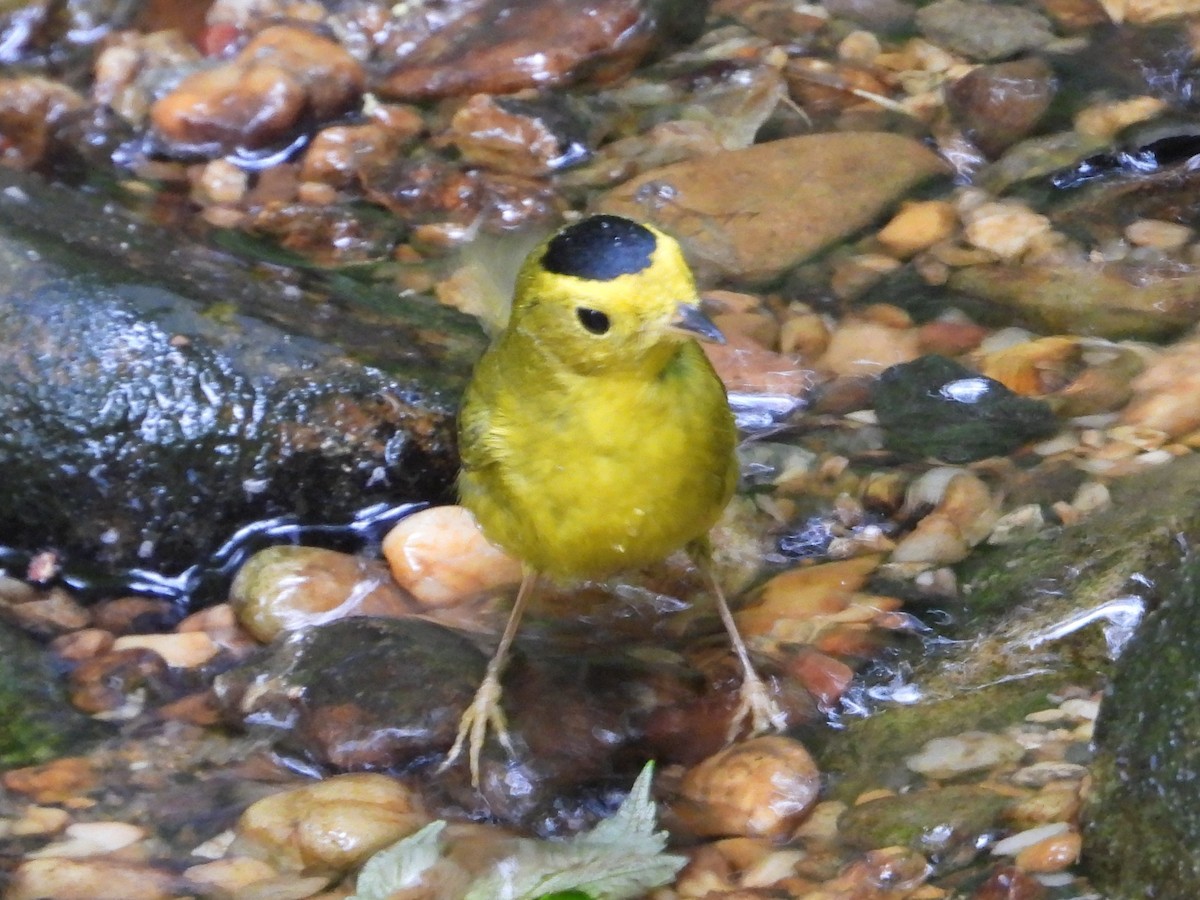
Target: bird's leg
485	707
755	701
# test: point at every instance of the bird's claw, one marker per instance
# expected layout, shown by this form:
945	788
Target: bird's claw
473	728
756	704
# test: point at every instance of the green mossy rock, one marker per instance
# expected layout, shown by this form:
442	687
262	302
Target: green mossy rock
36	721
936	407
1143	820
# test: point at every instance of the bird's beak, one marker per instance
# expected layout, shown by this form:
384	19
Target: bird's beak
691	321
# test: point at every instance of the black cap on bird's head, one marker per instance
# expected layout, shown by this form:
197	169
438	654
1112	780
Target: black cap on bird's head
600	248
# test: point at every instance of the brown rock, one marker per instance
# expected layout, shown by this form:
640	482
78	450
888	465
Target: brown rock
1000	104
257	99
29	109
793	197
285	588
499	47
760	788
337	154
55	782
104	683
133	615
1101	302
52	614
90	879
510	136
330	825
82	644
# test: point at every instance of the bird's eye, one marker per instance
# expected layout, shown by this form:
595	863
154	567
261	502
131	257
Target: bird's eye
593	320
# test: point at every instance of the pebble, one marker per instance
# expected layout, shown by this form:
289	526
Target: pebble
794	597
83	644
285	588
39	821
500	48
57	878
50	615
330	825
1019	525
442	558
1043	773
184	650
231	874
63	779
1157	233
1024	841
983	31
860	347
1053	854
1106	120
918	226
998	105
91	839
762	787
972	751
1004	228
283	74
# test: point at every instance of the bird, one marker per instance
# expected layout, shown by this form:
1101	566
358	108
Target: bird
595	437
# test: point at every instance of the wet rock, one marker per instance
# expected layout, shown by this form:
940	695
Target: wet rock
859	347
330	825
259	98
39	723
760	788
918	226
1144	807
442	557
287	588
141	430
518	136
1164	394
998	105
936	407
884	15
339	153
181	651
1105	301
116	685
359	692
948	825
492	47
56	37
91	879
30	110
64	779
1010	883
983	31
943	759
844	182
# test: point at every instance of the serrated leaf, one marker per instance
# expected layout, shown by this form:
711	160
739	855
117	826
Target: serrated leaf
400	865
620	858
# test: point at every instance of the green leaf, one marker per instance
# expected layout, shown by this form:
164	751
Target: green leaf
400	865
620	858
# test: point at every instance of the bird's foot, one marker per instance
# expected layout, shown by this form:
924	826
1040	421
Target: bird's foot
756	704
473	727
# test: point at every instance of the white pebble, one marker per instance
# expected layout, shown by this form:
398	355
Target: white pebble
92	839
1013	844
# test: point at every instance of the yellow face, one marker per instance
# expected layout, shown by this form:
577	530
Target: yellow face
604	294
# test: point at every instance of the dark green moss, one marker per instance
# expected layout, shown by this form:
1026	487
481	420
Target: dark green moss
1143	821
36	721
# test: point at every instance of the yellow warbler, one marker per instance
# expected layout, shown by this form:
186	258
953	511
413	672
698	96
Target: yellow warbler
595	435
